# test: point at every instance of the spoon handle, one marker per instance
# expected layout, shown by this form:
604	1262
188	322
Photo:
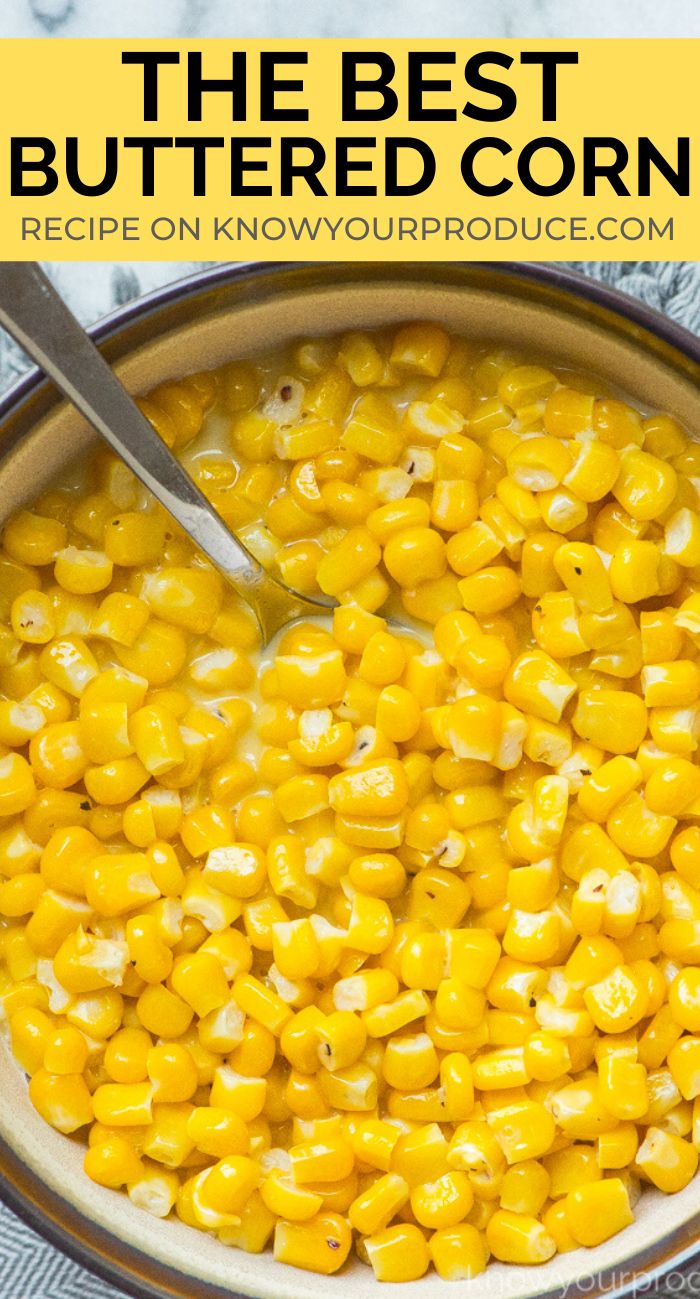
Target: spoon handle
39	320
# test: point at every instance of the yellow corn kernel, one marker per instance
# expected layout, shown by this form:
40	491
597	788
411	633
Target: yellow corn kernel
616	423
158	654
536	825
162	1012
457	1085
320	1244
475	1149
597	1211
113	1162
634	571
349	562
120	618
683	1064
666	1160
539	463
672	787
398	1253
156	737
473	548
30	1029
639	831
546	1057
172	1072
524	1129
410	1062
455	504
457	1005
21	894
18	853
341	1040
455	456
63	1100
32	618
489	590
473	728
618	1149
612	719
82	572
684	1000
420	348
525	1187
662	640
556	625
608	786
670	685
322	740
618	1001
682	537
189	598
326	1159
126	1055
380	790
458	1253
17	788
244	1094
353	1088
518	1238
373	1142
536	684
594	471
373	1210
532	935
623	1086
444	1202
19	957
31	538
675	730
287	1200
56	754
501	1068
261	1003
156	1191
217	1132
645	486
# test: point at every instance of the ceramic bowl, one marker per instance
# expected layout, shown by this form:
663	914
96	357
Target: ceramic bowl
196	323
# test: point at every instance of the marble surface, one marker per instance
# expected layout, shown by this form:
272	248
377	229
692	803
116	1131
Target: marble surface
492	18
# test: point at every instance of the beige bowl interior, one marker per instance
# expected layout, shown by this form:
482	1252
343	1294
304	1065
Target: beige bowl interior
664	1226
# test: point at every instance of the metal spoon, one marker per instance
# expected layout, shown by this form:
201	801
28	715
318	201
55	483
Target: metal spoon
39	320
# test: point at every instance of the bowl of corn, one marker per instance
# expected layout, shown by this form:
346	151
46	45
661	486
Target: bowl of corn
373	953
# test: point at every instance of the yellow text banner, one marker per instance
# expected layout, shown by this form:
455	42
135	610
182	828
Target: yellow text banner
327	149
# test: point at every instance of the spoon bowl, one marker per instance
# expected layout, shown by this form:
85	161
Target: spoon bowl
38	319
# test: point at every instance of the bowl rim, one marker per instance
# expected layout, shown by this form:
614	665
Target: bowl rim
554	275
77	1237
